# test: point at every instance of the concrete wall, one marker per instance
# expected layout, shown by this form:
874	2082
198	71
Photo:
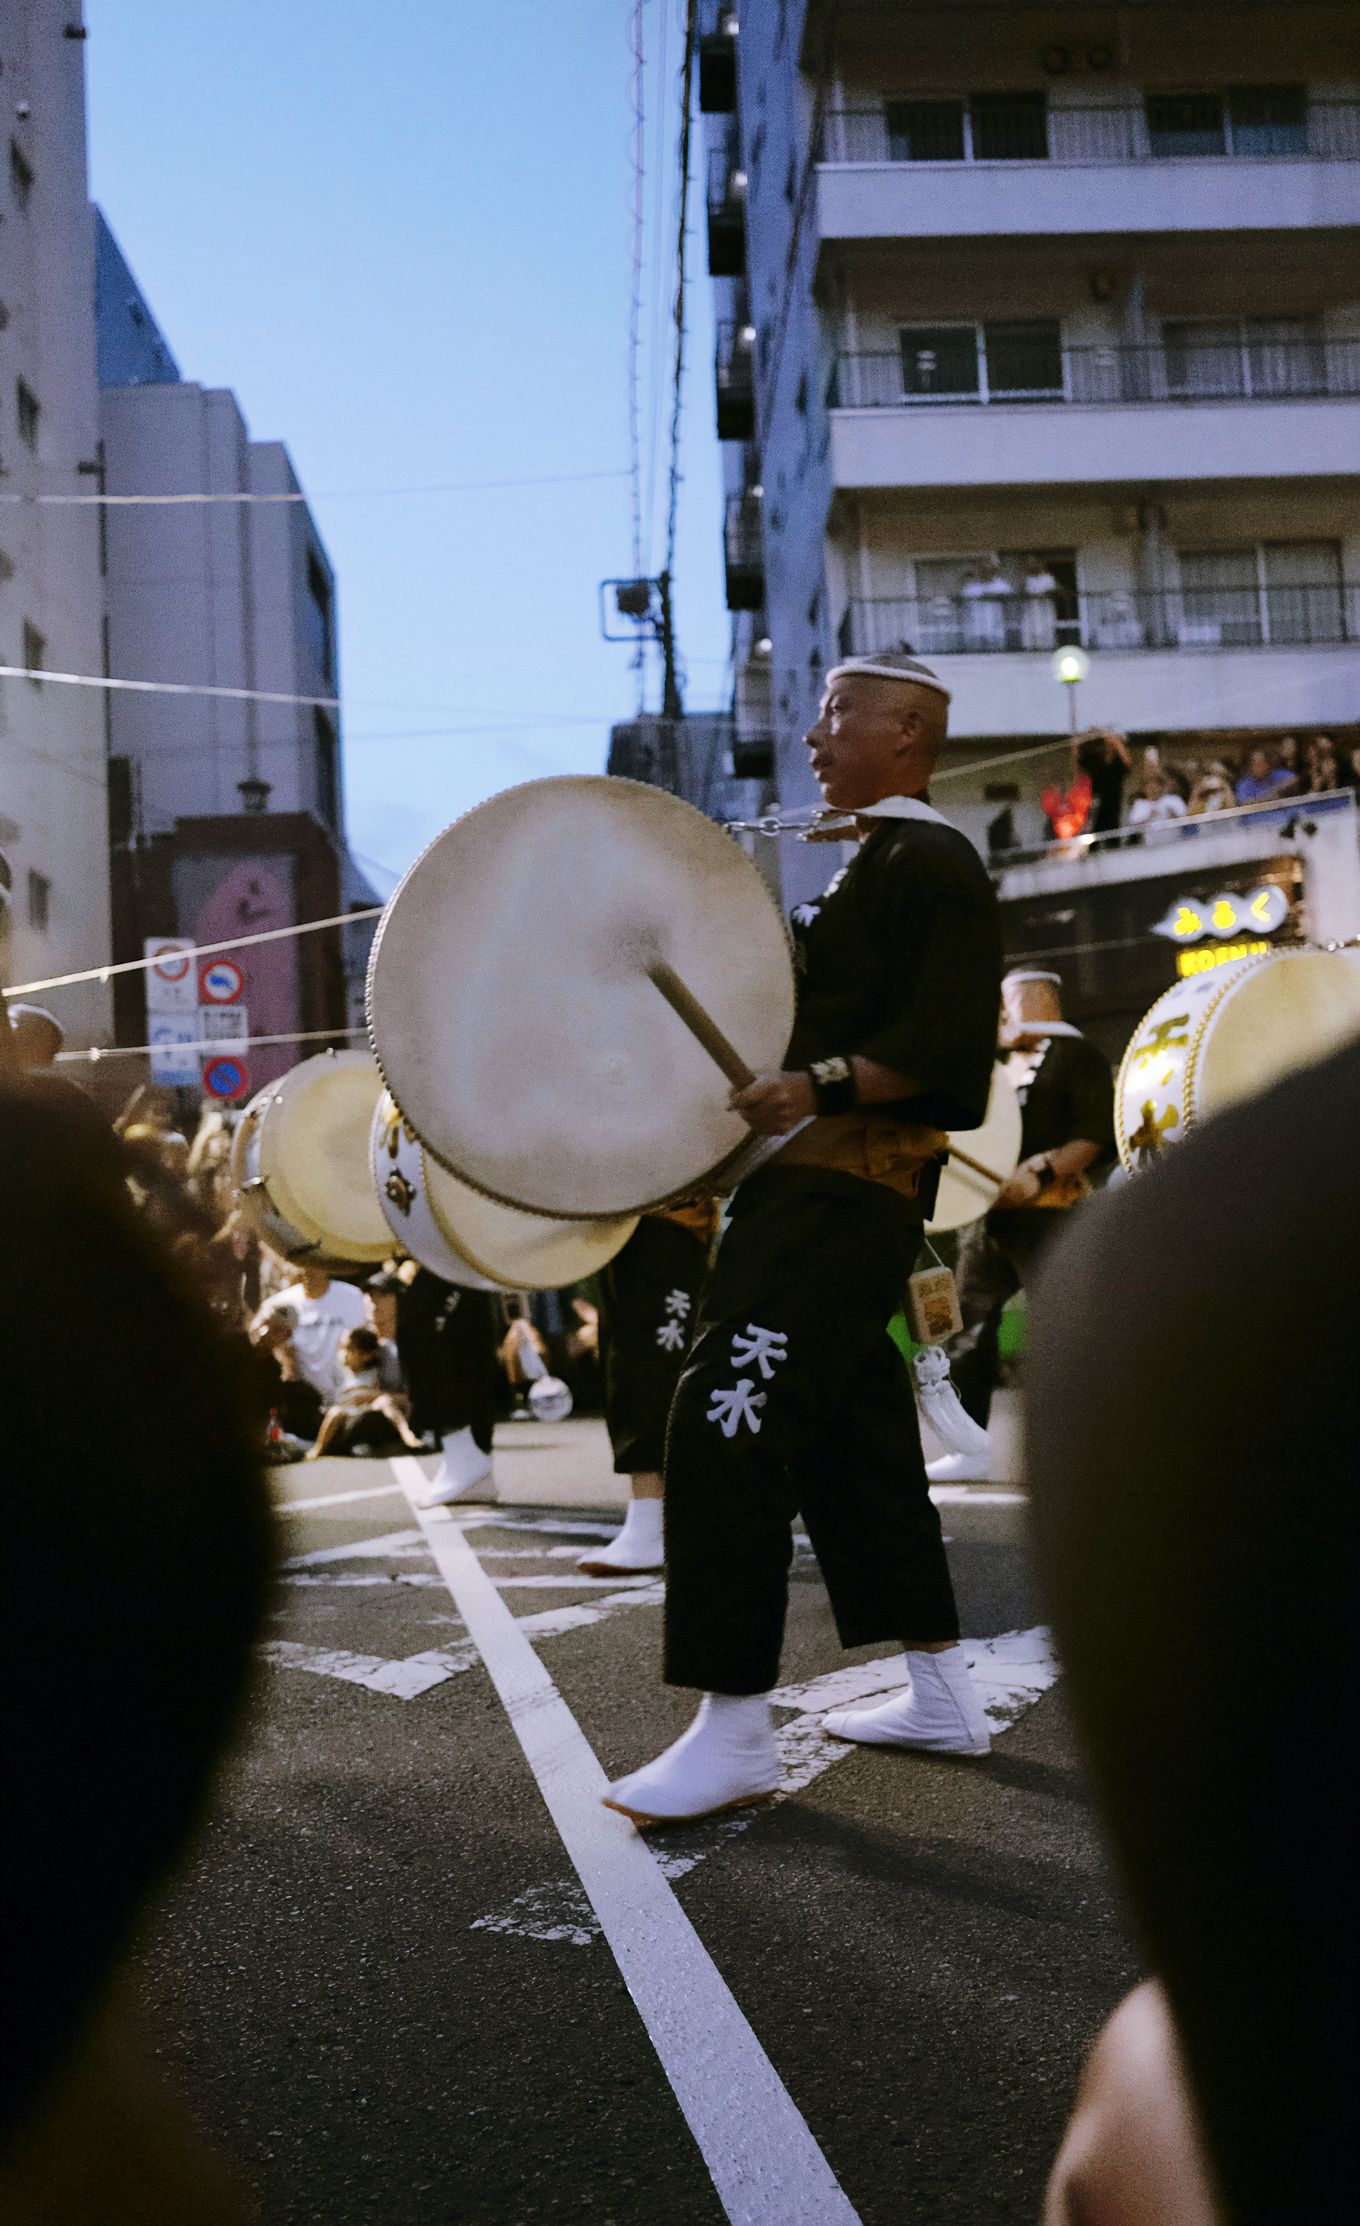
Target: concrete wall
214	594
52	757
133	351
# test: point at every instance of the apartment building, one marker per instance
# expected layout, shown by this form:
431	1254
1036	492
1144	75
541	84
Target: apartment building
1058	292
54	916
219	802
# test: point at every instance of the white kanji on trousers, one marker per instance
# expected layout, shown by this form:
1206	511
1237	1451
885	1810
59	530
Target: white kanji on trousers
671	1337
765	1347
678	1304
741	1404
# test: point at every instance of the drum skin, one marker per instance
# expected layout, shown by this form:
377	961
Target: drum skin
510	1010
302	1155
963	1195
469	1239
1225	1035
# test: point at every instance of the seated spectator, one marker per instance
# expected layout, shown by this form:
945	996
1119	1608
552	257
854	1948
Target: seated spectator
362	1400
323	1313
1263	780
1158	801
283	1392
1213	791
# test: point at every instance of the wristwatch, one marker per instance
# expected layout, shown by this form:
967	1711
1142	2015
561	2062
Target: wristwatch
1045	1174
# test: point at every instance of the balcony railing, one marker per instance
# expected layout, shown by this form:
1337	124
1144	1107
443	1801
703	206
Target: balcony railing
933	134
735	378
744	554
1042	369
1310	616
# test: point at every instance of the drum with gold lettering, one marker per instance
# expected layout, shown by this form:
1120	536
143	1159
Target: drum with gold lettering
1227	1034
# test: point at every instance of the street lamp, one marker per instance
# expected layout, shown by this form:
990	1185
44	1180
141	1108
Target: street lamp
1070	666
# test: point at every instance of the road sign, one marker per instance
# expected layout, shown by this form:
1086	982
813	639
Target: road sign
226	1077
171	981
171	1062
223	1024
220	982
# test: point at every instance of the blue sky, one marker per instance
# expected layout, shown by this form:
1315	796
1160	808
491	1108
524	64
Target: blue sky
402	234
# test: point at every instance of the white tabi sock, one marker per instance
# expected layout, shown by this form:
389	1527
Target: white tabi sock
464	1473
939	1712
638	1546
726	1760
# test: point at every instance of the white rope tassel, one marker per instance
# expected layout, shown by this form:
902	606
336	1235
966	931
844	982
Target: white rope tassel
941	1410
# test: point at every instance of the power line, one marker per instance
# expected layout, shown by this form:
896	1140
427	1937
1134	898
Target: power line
225	1047
635	291
163	687
335	494
193	950
657	297
677	392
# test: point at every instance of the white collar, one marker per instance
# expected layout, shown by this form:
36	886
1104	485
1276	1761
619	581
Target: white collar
900	807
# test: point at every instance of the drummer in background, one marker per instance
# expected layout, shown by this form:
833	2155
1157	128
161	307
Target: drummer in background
648	1294
1066	1093
794	1397
447	1342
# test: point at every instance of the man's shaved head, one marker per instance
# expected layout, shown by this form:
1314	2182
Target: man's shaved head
876	736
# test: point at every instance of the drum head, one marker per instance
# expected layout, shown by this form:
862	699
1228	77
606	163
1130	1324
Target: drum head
964	1196
472	1240
313	1154
1288	1012
510	1010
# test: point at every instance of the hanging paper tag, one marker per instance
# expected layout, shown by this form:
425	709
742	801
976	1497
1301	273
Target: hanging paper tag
935	1312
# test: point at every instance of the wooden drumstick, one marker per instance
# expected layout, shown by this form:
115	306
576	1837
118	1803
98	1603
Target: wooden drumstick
701	1025
706	1031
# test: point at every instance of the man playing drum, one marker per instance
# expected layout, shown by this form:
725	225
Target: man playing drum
794	1397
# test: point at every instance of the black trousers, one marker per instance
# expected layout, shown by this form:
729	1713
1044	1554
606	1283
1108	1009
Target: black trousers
648	1296
795	1399
447	1342
997	1258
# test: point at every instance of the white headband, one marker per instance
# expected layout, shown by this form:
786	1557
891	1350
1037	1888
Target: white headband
1025	974
920	676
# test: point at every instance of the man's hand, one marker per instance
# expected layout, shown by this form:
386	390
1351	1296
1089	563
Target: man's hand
1022	1189
775	1103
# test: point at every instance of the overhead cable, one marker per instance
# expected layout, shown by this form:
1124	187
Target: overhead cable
193	950
335	494
39	674
225	1047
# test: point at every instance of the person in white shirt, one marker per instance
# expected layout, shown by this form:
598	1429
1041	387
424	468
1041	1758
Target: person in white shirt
985	593
1039	616
1158	801
324	1314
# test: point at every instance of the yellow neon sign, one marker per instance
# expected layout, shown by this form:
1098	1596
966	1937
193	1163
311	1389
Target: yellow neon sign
1223	954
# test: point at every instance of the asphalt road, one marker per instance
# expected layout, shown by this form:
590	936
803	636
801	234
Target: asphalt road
382	1985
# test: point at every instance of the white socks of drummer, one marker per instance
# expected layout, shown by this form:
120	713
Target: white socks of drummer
726	1758
639	1546
464	1473
938	1713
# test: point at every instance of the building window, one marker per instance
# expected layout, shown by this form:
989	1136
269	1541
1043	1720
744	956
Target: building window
1011	362
1245	356
20	176
327	769
35	650
39	901
986	127
1285	592
320	630
29	414
1247	120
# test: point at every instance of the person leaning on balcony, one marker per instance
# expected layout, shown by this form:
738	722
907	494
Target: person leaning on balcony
1103	756
1264	780
1039	613
985	592
1158	800
1212	790
1324	769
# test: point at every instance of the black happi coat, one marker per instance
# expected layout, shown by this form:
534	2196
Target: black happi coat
900	962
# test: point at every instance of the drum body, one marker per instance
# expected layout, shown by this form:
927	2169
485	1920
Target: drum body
964	1195
300	1163
510	1009
458	1233
1225	1035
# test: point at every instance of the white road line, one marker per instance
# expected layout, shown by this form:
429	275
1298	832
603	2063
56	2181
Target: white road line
765	2165
404	1680
336	1499
394	1545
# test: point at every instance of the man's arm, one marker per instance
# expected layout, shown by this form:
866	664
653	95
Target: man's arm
775	1103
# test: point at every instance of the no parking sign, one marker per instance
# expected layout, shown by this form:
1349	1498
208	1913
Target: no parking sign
226	1077
220	982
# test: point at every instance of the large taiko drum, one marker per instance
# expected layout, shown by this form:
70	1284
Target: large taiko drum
511	1012
1226	1034
468	1238
300	1163
966	1193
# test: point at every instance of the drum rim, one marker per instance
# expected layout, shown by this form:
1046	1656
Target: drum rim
282	1202
613	781
999	1075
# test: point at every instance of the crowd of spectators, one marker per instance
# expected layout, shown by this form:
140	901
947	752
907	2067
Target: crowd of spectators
1109	791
